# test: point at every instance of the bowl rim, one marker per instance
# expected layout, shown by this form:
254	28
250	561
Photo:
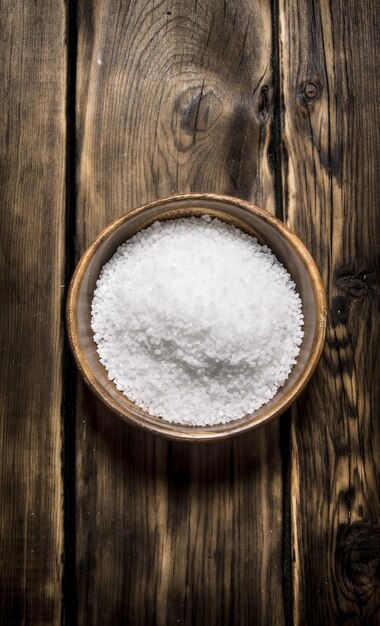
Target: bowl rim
182	432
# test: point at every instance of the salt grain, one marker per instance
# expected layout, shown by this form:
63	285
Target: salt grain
196	322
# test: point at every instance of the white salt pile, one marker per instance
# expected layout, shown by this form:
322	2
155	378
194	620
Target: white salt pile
196	322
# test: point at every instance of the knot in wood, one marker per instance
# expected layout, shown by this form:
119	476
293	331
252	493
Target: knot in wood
193	113
311	90
358	555
358	284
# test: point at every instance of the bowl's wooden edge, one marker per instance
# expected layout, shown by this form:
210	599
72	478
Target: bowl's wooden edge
230	429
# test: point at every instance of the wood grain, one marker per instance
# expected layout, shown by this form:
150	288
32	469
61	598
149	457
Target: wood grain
32	180
331	155
174	97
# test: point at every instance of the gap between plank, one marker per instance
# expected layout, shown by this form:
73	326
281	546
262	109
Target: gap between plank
285	419
69	598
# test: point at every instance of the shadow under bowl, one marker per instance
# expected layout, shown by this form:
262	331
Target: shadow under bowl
286	246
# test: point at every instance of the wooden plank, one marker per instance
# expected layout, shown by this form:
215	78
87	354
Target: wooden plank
174	97
331	139
32	179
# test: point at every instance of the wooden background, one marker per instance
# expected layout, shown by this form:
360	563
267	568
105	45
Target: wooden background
107	104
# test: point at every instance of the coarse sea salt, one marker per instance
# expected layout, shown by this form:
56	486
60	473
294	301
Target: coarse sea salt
196	322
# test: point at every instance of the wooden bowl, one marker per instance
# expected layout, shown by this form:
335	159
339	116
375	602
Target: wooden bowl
287	248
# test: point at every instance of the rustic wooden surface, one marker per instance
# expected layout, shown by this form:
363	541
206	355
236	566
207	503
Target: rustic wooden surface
182	103
32	181
331	157
272	101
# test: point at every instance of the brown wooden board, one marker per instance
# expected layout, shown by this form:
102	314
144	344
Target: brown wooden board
32	181
331	155
276	102
174	97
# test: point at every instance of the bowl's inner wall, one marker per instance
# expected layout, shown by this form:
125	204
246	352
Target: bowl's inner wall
251	223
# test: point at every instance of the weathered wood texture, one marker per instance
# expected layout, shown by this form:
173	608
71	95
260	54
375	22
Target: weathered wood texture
32	181
331	187
173	97
179	97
